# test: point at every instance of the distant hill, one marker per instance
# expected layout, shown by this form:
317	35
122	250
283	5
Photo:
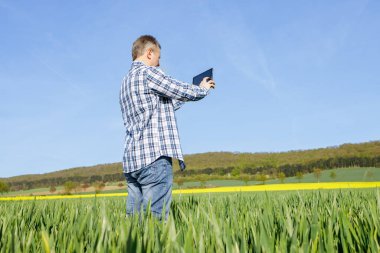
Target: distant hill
346	155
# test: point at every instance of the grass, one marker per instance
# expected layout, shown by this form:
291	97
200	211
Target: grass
323	221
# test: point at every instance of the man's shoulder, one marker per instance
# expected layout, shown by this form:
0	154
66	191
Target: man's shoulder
143	72
138	68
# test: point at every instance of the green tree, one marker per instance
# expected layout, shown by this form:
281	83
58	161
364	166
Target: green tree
235	172
52	189
245	178
99	186
201	179
179	181
317	173
85	186
261	177
69	186
299	176
281	176
333	175
4	187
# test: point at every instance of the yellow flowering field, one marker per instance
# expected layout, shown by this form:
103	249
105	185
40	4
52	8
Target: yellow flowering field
252	188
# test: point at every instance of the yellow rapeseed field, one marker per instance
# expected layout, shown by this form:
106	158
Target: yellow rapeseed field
252	188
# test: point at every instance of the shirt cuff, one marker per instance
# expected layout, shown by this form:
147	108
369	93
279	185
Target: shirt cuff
205	90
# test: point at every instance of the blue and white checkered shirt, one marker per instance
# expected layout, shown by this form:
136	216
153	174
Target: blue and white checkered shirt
148	99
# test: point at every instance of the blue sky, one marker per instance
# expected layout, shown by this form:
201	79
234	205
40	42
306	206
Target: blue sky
290	75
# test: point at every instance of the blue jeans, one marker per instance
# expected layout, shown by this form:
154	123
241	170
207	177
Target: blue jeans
151	184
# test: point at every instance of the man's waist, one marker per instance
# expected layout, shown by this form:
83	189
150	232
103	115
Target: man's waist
167	158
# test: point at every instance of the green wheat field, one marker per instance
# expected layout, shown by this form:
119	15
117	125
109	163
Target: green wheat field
309	221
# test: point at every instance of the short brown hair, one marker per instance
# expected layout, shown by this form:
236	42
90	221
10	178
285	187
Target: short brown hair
141	44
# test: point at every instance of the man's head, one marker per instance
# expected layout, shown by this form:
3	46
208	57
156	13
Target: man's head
147	50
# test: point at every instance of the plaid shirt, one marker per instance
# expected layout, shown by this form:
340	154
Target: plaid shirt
148	99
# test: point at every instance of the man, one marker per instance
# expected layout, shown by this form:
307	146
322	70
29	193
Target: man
148	99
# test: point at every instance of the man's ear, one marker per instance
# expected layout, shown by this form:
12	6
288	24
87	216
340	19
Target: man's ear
149	52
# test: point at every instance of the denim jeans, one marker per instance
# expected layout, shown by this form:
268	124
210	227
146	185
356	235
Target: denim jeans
151	184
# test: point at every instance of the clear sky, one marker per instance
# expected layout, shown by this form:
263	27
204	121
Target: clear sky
290	75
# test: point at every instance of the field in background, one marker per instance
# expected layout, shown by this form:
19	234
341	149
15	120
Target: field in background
221	165
221	190
354	174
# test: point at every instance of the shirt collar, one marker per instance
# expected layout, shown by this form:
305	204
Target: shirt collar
137	63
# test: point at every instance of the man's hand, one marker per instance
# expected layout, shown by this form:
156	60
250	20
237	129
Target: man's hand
207	83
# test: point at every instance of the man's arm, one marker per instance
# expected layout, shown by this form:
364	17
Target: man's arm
167	86
177	104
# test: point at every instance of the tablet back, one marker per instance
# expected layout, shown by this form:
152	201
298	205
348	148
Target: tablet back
198	79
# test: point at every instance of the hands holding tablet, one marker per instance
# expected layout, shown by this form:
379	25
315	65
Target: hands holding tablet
205	79
207	83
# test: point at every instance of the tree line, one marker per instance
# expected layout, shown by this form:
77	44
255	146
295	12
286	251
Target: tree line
55	181
289	170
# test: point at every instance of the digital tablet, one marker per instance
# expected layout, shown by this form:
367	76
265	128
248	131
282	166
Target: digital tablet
198	79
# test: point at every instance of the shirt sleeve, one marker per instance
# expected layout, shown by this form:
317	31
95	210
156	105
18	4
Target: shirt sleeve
167	86
177	104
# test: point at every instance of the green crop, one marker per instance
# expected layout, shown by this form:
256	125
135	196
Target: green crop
317	221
